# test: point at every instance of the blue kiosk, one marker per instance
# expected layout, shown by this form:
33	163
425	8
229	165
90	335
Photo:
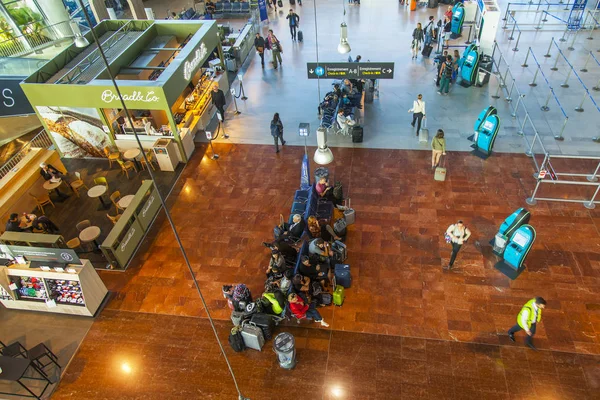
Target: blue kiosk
470	66
513	222
486	112
458	18
516	251
486	136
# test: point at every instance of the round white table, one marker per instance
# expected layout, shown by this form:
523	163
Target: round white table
98	191
125	201
51	185
89	234
133	154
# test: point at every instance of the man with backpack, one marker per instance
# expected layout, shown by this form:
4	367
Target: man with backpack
294	20
429	31
446	76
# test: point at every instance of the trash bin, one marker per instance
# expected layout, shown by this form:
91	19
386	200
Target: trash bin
485	70
320	173
500	243
285	348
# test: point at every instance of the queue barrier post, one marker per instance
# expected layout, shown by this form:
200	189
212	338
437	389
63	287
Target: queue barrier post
512	33
532	83
545	106
508	97
505	75
539	25
584	69
594	176
597	87
593	27
579	108
514	113
573	42
521	131
554	67
531	200
563	38
590	205
525	65
565	83
516	48
560	135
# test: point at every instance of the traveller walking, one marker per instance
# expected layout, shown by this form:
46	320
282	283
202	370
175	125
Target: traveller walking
527	320
259	44
446	76
276	48
429	30
447	32
418	111
417	36
456	234
218	99
294	20
438	148
277	131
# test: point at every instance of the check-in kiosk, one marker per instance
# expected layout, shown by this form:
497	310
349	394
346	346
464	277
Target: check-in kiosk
487	136
491	110
469	68
516	251
513	222
458	18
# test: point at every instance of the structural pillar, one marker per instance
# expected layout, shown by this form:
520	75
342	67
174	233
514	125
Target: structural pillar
137	9
99	10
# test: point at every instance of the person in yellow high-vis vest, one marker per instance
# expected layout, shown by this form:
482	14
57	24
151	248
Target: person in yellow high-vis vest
527	320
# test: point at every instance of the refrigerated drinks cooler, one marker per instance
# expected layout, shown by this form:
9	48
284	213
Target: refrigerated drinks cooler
167	154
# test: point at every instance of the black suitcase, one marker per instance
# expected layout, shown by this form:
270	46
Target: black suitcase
300	36
264	322
357	134
280	3
427	50
292	2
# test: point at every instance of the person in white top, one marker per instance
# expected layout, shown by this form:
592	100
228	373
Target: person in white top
345	122
458	234
418	111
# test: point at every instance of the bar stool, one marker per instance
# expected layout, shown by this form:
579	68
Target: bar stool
15	349
36	355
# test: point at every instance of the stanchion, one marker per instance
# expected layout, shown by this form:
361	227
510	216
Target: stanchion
522	130
512	86
234	102
592	31
597	87
554	67
503	82
222	127
516	48
497	94
539	25
565	84
514	113
469	41
563	38
531	200
548	55
533	84
545	106
512	33
584	69
242	89
594	176
214	156
525	65
579	108
590	204
573	41
560	137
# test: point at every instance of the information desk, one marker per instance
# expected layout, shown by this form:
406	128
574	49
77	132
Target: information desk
78	290
123	240
32	239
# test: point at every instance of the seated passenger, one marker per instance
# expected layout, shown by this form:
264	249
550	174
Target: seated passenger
295	230
302	310
13	224
288	252
315	231
43	223
277	265
324	190
321	249
301	283
315	270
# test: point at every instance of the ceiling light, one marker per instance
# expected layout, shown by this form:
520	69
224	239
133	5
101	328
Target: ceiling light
323	155
343	47
80	40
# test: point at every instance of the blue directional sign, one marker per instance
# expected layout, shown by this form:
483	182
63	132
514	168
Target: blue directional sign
319	71
350	70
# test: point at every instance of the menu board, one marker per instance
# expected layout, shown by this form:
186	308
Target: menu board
64	291
29	288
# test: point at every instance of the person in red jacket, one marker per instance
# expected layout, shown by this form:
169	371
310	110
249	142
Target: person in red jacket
302	310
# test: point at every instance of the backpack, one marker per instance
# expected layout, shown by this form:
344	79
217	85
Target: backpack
339	227
242	293
448	70
338	191
236	341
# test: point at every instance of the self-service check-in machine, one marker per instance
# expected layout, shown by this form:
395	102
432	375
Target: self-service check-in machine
516	251
487	136
458	18
513	222
470	66
486	112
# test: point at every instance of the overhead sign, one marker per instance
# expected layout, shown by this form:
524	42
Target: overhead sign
42	254
12	99
350	70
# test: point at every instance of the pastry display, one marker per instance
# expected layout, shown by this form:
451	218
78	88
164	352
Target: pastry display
65	291
29	288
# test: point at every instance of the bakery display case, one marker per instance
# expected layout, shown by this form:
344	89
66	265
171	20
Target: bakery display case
28	288
64	291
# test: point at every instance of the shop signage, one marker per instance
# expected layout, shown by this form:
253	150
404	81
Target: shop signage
108	96
190	66
149	210
351	70
129	243
65	256
12	99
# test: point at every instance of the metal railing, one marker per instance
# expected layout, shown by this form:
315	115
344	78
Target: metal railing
35	41
39	141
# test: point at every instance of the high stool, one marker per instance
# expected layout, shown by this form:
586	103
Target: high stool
15	349
36	355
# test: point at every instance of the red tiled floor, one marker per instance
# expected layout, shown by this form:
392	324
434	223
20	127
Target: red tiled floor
224	210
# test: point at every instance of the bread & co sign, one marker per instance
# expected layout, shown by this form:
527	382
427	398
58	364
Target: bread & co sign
190	65
108	96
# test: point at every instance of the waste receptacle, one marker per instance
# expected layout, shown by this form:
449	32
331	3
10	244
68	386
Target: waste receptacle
485	70
285	348
321	172
500	243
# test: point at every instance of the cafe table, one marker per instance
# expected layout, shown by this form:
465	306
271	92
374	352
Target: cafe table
90	234
125	201
98	191
133	154
53	184
23	223
13	369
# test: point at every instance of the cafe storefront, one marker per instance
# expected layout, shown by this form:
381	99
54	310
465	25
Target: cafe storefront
165	71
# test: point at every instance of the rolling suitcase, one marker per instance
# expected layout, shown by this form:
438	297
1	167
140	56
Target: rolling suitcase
253	336
342	275
357	134
340	252
427	50
349	214
300	36
279	3
264	322
424	132
440	172
292	2
338	295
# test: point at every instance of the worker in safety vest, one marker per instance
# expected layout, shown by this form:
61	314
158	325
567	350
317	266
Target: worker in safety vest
528	317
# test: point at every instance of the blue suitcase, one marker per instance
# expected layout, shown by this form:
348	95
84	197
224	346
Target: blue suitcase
342	275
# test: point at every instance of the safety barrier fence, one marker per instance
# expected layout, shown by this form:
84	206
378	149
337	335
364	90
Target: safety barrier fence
39	141
538	22
548	175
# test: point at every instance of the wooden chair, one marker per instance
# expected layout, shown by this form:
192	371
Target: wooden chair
126	166
150	157
78	184
115	197
101	181
74	243
114	219
112	156
83	224
42	200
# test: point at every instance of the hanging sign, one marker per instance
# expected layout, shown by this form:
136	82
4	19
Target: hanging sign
262	9
108	96
191	65
12	99
350	70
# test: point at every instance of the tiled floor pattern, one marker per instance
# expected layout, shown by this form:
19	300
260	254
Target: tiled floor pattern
148	356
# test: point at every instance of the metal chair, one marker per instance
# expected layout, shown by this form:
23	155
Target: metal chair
15	349
78	183
83	224
37	353
42	200
114	198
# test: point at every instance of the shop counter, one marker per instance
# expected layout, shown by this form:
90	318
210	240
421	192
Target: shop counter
25	178
32	239
78	290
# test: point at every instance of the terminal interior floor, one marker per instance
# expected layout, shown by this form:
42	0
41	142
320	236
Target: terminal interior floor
421	331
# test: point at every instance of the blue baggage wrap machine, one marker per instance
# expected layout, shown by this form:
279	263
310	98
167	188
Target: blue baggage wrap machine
516	251
458	18
513	222
491	110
